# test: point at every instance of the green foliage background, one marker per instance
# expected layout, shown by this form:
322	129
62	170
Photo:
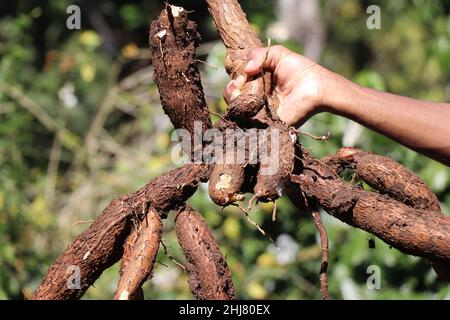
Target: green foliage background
81	123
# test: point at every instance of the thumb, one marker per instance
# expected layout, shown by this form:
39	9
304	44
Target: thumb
267	58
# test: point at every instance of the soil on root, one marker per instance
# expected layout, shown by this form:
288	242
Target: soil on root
275	168
210	277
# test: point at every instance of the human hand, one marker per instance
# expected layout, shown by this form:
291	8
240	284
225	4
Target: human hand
298	83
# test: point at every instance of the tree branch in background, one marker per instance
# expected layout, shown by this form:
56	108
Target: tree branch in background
67	138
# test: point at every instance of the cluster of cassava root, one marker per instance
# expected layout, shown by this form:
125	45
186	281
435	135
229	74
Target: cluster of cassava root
404	212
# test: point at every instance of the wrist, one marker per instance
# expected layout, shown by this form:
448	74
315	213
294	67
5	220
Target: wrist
337	93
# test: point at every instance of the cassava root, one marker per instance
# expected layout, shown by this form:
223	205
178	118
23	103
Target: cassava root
139	255
210	277
405	214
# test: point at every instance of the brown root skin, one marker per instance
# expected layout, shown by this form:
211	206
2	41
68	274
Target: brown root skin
141	248
390	178
278	165
55	284
163	193
173	188
210	277
293	190
173	55
173	39
387	176
238	36
413	231
243	108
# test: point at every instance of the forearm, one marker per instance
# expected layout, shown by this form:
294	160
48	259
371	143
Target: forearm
420	125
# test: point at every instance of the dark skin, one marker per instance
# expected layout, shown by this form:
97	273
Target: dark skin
305	88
